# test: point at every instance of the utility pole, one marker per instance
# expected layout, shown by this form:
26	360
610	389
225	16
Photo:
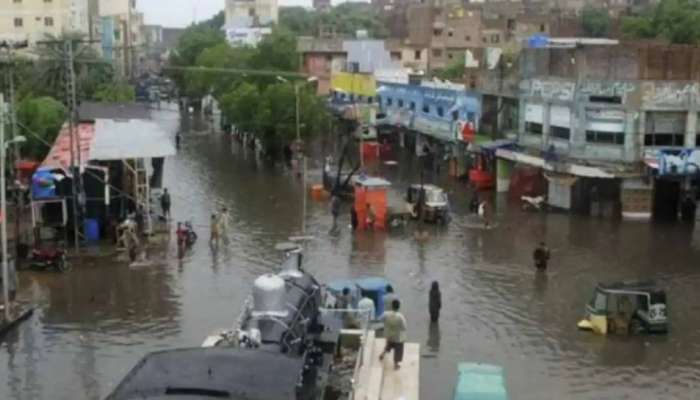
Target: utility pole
303	162
3	209
19	198
72	120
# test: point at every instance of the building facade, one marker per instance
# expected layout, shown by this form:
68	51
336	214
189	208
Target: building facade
32	20
122	36
250	13
600	119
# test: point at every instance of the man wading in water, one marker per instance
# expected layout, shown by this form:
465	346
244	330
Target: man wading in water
541	257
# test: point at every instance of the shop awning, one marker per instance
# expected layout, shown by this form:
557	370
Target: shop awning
128	139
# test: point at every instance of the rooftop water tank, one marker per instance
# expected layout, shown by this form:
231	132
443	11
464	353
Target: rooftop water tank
268	295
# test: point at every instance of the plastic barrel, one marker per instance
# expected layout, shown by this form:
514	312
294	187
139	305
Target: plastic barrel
92	229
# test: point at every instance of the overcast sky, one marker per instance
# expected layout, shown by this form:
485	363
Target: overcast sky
180	13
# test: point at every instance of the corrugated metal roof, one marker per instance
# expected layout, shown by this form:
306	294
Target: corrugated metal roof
59	155
90	111
117	140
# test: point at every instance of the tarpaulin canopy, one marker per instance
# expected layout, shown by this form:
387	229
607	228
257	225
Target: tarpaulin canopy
107	140
125	139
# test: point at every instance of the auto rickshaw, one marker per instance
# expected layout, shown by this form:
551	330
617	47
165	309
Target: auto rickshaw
629	307
428	203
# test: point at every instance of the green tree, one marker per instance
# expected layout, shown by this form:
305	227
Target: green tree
117	92
277	51
345	19
298	20
191	44
453	72
50	70
675	20
40	120
595	21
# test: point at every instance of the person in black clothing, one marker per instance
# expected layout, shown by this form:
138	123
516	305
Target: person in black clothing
177	141
353	218
541	257
165	203
434	302
287	150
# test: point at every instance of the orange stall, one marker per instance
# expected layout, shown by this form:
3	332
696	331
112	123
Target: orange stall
372	192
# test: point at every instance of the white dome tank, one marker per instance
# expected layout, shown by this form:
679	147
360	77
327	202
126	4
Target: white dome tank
268	294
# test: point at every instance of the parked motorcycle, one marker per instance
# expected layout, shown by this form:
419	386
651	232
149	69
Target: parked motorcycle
49	259
536	203
186	237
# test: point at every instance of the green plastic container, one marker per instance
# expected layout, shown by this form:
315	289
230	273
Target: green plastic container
480	382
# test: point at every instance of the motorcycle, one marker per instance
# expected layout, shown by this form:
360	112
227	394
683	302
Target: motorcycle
536	203
49	258
186	237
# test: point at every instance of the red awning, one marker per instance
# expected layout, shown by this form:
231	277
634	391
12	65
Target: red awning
59	156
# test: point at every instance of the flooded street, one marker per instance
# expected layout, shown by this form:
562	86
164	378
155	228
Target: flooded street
95	322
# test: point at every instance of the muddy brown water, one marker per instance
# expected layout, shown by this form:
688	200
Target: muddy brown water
94	323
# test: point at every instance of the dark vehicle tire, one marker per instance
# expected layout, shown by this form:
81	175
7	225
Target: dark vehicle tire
636	326
62	265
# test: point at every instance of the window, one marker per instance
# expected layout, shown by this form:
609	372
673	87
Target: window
251	12
370	99
437	32
605	99
389	101
542	28
455	115
400	103
605	137
416	55
412	107
437	53
468	38
495	38
665	129
18	22
533	128
426	109
450	33
17	1
560	132
697	140
48	21
396	55
440	112
449	55
484	39
47	1
664	139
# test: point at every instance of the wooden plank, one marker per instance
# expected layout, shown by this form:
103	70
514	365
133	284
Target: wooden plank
363	374
376	378
403	383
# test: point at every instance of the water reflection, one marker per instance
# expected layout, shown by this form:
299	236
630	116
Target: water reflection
95	322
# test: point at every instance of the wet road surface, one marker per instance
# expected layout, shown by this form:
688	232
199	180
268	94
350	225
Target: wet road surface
94	323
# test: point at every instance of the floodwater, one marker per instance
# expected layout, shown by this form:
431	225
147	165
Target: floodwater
95	322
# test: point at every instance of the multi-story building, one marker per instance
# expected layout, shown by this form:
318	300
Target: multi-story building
321	5
121	34
32	20
321	57
613	129
251	13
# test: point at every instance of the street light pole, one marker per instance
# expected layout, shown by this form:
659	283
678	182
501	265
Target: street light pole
3	212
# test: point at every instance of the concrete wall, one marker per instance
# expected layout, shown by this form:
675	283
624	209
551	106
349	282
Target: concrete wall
65	15
610	106
627	61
